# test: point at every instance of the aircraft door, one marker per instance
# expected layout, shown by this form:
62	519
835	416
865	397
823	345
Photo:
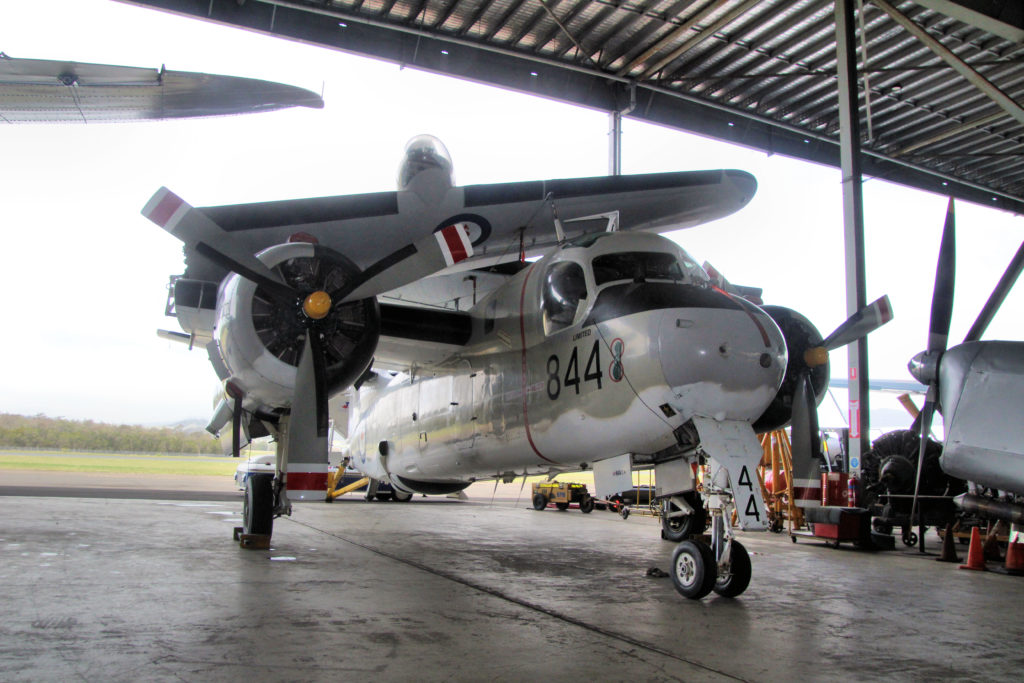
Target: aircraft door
465	406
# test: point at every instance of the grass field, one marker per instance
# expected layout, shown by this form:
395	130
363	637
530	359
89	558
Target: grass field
120	463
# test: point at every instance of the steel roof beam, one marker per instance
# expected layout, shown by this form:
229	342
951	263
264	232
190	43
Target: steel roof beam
961	67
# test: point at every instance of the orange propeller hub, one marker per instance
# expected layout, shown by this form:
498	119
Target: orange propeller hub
317	305
816	356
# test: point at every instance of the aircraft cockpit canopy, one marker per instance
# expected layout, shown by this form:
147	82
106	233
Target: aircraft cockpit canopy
565	287
648	260
641	266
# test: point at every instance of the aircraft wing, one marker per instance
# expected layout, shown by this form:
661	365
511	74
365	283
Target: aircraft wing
501	219
48	91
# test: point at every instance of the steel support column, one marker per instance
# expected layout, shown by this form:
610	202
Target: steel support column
853	224
615	143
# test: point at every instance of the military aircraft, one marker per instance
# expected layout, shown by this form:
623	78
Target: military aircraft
978	386
465	360
51	91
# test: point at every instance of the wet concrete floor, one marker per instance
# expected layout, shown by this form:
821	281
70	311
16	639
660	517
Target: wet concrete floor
153	590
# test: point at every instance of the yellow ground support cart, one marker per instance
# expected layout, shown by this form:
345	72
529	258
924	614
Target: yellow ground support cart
561	494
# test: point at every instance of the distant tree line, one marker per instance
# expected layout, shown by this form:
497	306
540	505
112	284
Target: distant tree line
19	431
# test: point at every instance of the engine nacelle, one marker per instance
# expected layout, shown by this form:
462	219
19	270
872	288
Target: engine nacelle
261	339
800	335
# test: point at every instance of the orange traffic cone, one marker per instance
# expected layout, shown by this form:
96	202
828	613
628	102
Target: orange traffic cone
975	553
948	546
1015	558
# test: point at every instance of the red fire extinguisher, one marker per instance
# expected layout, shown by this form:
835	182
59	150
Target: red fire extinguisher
851	491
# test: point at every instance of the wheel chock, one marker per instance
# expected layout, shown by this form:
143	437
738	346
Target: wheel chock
251	541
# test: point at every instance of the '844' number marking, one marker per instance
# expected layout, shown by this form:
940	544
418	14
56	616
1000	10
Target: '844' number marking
591	371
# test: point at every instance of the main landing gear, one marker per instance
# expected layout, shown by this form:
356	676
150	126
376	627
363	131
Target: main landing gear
722	567
258	507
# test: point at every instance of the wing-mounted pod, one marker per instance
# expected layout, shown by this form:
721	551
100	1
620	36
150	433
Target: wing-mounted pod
426	168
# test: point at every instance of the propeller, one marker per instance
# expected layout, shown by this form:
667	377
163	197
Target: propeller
925	365
309	410
806	443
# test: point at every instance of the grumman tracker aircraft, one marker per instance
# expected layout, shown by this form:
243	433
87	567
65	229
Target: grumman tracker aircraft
615	342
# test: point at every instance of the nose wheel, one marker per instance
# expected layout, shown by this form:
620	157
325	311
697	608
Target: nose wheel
722	567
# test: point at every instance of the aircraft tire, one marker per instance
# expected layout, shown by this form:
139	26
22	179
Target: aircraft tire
258	506
681	528
736	581
693	569
539	501
383	496
401	497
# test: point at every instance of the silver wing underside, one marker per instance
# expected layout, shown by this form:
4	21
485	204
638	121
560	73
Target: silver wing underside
45	91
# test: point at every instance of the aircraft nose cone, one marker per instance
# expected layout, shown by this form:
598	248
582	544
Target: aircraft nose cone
726	364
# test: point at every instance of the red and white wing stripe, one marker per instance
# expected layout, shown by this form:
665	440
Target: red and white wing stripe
165	209
455	243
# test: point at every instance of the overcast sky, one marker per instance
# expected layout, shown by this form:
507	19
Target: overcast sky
84	276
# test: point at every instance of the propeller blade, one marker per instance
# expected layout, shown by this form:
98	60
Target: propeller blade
197	230
995	300
942	294
308	430
925	429
804	433
435	252
860	324
236	429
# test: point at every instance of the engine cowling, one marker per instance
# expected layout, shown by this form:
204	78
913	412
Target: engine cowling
260	338
800	335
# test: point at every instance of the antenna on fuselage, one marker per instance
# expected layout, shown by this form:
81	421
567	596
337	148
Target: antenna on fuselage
611	216
559	233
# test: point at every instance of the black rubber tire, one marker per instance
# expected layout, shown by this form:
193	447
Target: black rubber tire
562	506
681	528
736	581
693	569
385	496
587	504
258	506
539	501
400	497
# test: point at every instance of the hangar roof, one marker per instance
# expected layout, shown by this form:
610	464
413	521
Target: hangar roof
940	82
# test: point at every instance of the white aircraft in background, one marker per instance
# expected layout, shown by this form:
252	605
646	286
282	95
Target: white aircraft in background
52	91
465	361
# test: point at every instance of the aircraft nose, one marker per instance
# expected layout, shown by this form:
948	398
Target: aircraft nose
726	364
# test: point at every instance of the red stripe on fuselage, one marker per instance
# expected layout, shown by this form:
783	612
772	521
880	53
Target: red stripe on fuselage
307	481
806	493
525	375
746	309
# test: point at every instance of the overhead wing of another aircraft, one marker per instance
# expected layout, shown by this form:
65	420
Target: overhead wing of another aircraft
49	91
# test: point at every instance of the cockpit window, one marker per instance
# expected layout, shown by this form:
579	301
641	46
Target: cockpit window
564	288
640	266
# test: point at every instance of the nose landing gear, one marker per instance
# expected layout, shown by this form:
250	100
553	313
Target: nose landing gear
723	566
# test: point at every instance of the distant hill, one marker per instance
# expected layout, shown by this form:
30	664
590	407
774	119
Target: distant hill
39	431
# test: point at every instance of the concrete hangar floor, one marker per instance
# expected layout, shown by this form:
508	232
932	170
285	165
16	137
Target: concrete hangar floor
122	589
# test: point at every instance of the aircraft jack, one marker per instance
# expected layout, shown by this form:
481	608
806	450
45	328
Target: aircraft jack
251	541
